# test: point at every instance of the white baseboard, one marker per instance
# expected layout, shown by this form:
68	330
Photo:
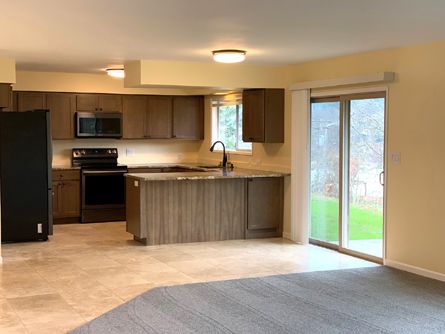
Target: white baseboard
415	270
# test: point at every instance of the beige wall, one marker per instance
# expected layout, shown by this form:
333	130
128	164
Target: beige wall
416	129
7	71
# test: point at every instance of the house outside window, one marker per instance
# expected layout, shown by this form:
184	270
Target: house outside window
228	123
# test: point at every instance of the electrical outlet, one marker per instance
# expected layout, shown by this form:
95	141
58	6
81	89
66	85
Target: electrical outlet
130	152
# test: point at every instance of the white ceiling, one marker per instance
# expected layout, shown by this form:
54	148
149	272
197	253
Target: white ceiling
89	35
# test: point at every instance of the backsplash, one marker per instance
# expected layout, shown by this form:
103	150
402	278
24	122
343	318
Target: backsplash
131	151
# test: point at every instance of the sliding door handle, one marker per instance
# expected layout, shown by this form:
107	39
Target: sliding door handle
382	178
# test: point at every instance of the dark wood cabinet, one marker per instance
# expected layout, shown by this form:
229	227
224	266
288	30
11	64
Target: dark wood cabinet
263	115
265	207
62	108
66	195
144	116
99	102
5	96
188	117
134	108
30	100
159	115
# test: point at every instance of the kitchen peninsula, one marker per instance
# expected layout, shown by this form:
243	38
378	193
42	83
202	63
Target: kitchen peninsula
204	205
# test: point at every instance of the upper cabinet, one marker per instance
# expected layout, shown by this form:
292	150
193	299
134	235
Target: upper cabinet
5	96
144	116
188	117
62	108
263	115
27	101
99	102
159	117
134	108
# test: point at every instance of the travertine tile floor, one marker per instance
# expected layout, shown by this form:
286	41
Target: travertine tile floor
86	270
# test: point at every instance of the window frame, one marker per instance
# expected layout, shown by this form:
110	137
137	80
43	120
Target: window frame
221	101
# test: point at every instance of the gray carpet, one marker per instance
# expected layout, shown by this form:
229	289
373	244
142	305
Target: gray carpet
367	300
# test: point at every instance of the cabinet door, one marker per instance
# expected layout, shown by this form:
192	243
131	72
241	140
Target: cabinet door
110	103
188	117
159	117
30	100
56	202
70	198
87	102
61	107
5	95
134	109
253	115
265	206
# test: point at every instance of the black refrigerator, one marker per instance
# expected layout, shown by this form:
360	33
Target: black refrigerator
25	176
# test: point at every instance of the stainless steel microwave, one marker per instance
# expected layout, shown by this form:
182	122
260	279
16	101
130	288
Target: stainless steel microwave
99	124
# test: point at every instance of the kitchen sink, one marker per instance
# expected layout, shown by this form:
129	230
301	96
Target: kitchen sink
209	166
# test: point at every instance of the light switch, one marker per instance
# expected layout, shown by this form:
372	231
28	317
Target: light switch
396	158
136	183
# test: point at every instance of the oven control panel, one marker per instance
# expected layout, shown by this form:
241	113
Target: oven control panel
83	156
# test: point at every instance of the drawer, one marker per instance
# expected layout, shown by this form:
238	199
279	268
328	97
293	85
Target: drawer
59	175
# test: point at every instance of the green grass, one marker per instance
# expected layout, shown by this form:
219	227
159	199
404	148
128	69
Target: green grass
364	223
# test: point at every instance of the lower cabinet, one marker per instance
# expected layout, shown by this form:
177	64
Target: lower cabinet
66	196
179	211
265	207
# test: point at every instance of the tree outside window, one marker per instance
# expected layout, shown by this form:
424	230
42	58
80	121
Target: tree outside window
229	125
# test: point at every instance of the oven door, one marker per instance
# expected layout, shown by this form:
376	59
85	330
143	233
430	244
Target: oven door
103	195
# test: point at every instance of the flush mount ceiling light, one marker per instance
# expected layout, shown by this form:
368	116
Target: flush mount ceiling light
116	72
229	56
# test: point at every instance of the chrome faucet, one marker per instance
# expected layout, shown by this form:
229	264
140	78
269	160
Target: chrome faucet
224	160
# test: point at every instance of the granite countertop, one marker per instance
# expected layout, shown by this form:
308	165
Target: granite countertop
64	167
167	165
206	174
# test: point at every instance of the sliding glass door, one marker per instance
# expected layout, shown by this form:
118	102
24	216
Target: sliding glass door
347	175
325	168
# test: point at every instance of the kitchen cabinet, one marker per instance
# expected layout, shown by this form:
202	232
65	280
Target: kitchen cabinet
264	207
99	102
30	100
263	115
62	108
144	116
5	96
188	117
159	115
66	196
134	108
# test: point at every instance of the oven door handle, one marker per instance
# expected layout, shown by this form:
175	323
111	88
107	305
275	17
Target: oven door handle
90	172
